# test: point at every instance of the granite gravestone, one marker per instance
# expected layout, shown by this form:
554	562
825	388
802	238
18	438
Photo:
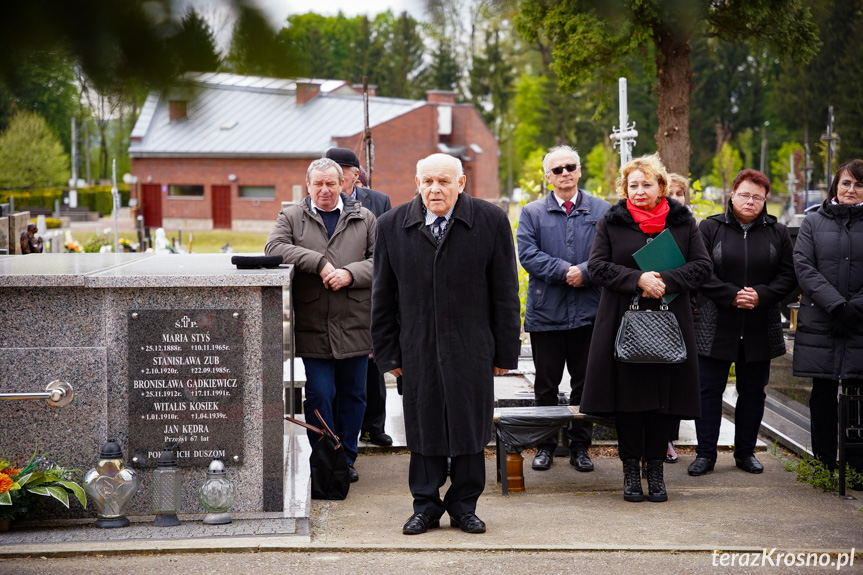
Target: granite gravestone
186	385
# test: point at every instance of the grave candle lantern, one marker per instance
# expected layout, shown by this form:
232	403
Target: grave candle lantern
111	486
167	490
216	494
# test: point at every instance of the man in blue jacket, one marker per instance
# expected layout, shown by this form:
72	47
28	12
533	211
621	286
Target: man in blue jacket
555	234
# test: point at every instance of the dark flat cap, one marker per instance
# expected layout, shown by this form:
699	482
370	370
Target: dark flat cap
343	157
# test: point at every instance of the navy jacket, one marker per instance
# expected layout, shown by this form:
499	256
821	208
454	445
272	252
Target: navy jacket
374	201
549	241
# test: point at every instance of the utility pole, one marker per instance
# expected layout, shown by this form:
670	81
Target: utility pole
791	182
367	132
763	167
625	134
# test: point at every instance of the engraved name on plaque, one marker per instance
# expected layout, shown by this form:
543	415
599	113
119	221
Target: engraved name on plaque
186	385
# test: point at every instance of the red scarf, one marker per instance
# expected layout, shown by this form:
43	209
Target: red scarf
651	222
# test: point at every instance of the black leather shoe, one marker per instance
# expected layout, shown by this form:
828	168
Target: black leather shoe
656	481
581	461
353	473
419	523
701	466
543	460
632	481
381	439
749	464
468	522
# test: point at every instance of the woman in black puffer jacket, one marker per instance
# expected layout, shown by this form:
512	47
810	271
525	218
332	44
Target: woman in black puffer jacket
737	317
828	347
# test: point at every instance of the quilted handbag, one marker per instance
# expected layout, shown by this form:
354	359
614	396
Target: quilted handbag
649	336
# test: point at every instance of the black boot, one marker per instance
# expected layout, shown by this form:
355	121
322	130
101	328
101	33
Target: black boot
632	481
655	481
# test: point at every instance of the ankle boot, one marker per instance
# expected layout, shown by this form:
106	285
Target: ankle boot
655	481
632	481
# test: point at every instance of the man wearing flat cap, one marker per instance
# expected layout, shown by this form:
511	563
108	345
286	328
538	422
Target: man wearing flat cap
377	203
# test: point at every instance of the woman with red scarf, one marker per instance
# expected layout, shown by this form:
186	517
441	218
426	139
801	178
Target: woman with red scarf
644	399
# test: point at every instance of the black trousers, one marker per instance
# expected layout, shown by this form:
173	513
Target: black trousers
427	474
824	423
642	434
752	378
376	400
551	351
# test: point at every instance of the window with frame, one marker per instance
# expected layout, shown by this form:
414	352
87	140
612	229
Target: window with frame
186	191
258	192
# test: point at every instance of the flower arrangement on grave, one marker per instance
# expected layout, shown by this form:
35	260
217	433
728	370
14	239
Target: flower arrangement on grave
125	245
74	247
22	490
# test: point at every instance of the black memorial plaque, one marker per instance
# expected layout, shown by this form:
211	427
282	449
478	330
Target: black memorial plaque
186	384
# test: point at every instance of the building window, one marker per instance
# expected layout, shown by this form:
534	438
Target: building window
257	192
186	191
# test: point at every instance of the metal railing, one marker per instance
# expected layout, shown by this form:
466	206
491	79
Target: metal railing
57	393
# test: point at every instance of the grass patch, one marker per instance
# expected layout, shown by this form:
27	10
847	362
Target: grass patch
203	242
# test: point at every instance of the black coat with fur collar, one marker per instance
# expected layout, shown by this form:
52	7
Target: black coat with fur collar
611	386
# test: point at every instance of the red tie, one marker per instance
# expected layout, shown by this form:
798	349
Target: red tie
567	205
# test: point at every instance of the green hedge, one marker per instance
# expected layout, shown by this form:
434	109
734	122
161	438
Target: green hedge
94	198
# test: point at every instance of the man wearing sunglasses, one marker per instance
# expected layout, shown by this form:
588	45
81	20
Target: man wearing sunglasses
555	234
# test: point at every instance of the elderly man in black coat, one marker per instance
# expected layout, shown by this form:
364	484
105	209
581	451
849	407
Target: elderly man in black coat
445	317
377	203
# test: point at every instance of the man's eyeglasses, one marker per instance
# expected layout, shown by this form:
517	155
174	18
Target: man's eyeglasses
755	199
568	167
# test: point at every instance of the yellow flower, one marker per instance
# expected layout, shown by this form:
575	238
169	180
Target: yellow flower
5	483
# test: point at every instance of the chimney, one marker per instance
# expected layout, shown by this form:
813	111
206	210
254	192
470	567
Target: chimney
307	91
177	110
440	97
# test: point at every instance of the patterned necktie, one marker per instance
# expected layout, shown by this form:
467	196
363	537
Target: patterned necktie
437	228
567	205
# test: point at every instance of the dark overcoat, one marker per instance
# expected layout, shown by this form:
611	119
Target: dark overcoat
611	386
447	315
828	257
760	258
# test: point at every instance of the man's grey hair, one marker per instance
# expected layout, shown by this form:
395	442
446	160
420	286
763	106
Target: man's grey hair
565	148
322	165
456	163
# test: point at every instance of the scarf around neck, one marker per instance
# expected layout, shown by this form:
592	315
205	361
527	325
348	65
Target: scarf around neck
650	222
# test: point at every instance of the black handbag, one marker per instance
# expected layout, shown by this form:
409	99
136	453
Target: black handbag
330	476
649	336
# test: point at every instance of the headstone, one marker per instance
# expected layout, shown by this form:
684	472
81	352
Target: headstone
4	234
186	385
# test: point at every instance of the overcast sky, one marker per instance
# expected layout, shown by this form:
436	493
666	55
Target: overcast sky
221	18
278	10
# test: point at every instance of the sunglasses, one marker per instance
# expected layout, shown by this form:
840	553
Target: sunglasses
568	167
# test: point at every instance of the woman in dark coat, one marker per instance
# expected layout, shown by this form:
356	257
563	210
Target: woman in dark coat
737	316
645	399
828	346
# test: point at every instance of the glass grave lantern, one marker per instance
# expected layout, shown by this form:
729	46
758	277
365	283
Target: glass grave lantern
167	490
110	486
216	494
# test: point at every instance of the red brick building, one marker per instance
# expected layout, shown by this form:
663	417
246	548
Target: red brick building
227	150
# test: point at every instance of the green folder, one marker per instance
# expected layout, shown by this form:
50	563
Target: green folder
660	254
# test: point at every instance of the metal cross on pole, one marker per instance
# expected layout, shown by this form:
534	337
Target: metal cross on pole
625	134
831	140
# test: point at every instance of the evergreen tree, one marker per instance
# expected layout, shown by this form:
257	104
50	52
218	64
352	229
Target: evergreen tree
30	154
194	46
